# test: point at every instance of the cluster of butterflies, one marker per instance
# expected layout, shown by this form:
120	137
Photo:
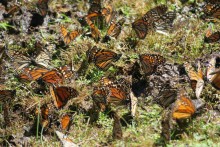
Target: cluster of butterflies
109	92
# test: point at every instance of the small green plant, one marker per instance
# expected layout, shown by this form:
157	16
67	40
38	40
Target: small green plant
5	26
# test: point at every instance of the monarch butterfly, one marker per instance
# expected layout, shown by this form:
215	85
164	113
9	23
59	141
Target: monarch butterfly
44	113
115	28
155	18
20	61
6	95
42	6
116	93
183	108
197	82
65	122
213	75
102	58
165	22
67	70
212	10
141	28
150	62
108	13
52	77
94	30
155	13
69	36
32	74
166	97
210	38
62	94
99	97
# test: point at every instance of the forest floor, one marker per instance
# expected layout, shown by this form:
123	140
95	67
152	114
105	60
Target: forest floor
25	29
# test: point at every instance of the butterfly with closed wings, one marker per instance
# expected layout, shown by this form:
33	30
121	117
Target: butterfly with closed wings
114	30
65	122
196	78
213	73
44	115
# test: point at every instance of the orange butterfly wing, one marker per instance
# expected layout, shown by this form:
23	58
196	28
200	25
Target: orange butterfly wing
215	37
52	77
141	28
44	113
94	30
117	95
183	108
115	28
65	122
68	37
99	97
61	95
104	58
37	73
108	13
149	62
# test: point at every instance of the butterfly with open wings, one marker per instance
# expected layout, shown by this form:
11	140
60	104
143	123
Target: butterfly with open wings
102	58
183	108
62	94
69	36
155	19
150	62
112	92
